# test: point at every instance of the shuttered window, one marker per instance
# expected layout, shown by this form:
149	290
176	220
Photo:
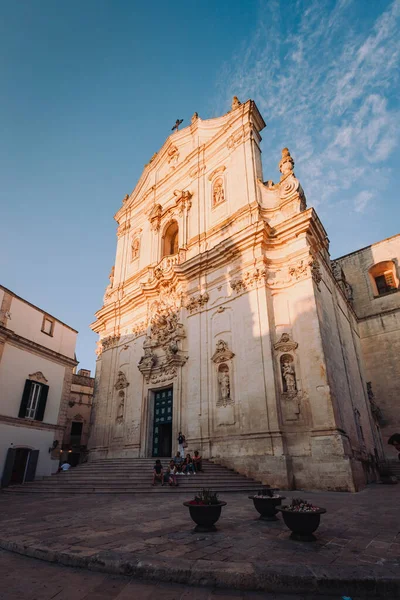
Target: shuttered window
33	401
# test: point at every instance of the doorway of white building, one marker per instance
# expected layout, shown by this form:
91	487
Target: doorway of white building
20	466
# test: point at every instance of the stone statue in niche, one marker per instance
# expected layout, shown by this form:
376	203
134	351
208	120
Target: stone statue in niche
288	374
224	396
218	192
135	249
120	412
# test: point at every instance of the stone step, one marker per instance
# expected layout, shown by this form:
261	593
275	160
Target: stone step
189	493
123	476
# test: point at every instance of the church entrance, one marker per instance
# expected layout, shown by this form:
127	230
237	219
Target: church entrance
162	424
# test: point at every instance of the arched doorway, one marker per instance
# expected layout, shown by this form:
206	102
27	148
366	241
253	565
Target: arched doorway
170	239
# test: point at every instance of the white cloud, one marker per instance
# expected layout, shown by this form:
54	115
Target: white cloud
326	88
361	201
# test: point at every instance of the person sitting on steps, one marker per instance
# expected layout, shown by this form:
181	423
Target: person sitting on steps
178	460
189	465
158	473
198	462
172	473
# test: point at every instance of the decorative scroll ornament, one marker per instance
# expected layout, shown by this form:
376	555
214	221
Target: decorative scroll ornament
249	279
285	344
289	187
155	217
164	375
39	377
121	382
222	353
173	155
123	228
304	268
139	329
166	335
197	302
110	342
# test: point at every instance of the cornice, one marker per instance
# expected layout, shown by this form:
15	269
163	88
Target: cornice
29	423
25	344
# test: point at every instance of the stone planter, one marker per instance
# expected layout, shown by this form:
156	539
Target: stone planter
267	507
302	524
205	515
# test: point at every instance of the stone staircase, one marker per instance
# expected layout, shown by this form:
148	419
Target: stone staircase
133	476
394	466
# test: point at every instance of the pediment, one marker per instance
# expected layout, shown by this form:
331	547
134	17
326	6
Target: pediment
39	377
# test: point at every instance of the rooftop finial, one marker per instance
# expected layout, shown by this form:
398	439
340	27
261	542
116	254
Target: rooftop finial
235	102
286	163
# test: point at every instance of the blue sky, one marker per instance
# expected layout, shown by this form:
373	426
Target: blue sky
90	90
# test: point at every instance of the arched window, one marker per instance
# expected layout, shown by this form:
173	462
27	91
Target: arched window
383	278
170	245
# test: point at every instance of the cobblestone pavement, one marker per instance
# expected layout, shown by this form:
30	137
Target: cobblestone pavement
23	578
361	528
358	530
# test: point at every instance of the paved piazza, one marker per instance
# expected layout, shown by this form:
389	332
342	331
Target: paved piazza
43	581
360	532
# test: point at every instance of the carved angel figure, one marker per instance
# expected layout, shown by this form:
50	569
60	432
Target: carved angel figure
218	192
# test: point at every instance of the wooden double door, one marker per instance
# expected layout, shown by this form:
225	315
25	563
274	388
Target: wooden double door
162	423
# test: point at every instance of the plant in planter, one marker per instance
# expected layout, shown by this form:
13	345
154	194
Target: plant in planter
205	510
266	502
302	518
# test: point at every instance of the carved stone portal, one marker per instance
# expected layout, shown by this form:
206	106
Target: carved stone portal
162	345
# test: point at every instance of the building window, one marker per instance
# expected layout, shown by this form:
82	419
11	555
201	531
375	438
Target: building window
48	325
385	283
170	241
33	400
383	278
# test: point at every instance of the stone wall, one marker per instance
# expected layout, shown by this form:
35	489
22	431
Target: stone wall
379	330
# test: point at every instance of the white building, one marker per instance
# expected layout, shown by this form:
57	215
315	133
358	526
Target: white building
224	319
37	357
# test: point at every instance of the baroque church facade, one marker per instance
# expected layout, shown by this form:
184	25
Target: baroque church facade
226	319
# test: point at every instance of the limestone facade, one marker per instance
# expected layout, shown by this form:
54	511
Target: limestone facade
372	277
223	319
37	357
77	426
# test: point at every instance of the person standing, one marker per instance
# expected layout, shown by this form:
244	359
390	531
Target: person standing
181	443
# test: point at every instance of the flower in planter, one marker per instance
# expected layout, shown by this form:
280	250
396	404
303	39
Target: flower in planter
205	498
266	493
299	505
